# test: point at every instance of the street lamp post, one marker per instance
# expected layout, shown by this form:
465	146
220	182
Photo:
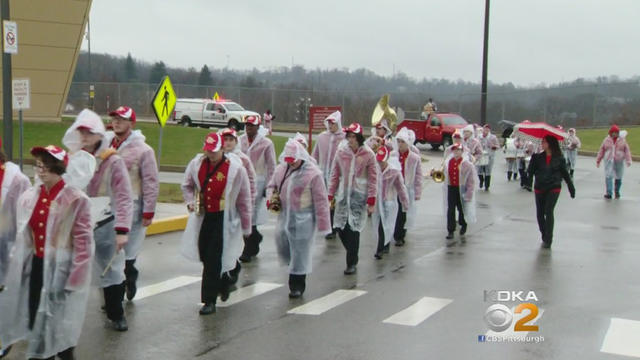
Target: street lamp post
485	55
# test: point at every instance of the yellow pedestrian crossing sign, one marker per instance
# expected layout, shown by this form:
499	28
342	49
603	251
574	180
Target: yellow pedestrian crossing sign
164	101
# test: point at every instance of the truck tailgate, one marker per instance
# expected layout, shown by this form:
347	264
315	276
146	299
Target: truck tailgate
417	126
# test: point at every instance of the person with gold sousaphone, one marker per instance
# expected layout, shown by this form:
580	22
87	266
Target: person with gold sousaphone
384	120
298	195
217	222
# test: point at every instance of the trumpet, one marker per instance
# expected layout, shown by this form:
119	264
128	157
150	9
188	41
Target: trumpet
274	202
437	174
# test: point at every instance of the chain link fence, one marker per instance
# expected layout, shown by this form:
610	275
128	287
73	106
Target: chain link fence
570	106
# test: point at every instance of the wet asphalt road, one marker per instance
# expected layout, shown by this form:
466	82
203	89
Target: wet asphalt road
588	278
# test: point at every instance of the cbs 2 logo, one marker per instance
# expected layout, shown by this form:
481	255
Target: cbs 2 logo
499	317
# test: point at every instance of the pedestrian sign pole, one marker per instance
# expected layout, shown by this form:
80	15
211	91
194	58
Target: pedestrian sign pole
163	103
21	96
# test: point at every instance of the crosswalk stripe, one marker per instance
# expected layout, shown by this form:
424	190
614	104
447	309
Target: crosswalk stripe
165	286
326	303
248	292
622	338
418	312
516	334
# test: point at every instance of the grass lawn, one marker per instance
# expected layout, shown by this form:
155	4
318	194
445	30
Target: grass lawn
170	193
179	144
592	138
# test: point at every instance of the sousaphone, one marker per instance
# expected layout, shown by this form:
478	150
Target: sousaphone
383	111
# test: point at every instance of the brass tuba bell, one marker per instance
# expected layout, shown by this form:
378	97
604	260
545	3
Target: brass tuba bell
384	111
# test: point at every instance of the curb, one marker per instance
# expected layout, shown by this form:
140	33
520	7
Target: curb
162	226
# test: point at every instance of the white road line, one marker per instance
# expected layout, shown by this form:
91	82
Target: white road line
326	303
516	334
247	293
165	286
622	338
418	312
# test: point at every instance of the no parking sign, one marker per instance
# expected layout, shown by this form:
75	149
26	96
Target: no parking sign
10	37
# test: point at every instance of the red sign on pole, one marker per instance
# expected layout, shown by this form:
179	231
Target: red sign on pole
317	114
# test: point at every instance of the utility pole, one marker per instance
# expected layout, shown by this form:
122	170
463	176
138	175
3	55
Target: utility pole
485	58
91	87
7	108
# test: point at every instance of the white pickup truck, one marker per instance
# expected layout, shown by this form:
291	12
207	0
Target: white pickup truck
207	112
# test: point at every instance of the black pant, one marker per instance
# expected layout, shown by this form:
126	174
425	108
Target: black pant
400	232
113	297
454	201
351	242
523	174
130	271
35	287
331	212
252	243
210	248
380	238
64	355
545	203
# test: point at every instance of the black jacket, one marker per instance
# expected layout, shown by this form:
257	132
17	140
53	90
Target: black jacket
549	176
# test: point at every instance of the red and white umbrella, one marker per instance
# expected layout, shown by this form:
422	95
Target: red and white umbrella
536	131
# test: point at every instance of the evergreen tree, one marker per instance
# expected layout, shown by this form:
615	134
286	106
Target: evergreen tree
158	71
130	71
205	76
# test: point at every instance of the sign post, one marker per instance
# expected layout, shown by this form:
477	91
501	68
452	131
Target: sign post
7	111
21	101
163	103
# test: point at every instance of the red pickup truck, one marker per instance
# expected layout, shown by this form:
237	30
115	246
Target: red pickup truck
437	129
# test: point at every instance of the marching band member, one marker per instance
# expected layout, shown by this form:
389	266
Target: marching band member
411	167
510	153
489	144
50	269
457	140
549	169
143	174
391	191
112	204
459	188
297	192
325	151
571	146
303	141
216	190
12	184
616	152
524	150
471	143
260	150
268	120
230	146
353	184
382	135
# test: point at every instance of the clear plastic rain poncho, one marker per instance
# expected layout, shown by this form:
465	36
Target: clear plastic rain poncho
353	181
467	178
412	141
570	147
489	145
110	193
82	165
66	276
263	157
614	154
413	178
14	184
237	212
391	188
472	143
327	143
304	208
143	174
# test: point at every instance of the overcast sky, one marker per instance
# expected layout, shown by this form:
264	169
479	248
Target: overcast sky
530	42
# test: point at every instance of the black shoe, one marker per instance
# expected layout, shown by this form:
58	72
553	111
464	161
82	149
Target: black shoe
463	229
546	245
350	270
331	236
120	325
1	288
103	308
385	250
132	289
224	293
295	294
449	236
378	255
5	352
617	197
607	196
245	258
399	242
207	309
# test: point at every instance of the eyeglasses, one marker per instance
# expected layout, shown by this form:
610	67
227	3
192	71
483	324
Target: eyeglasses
40	166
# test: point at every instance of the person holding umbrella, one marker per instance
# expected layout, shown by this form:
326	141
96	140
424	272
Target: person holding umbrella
549	169
615	152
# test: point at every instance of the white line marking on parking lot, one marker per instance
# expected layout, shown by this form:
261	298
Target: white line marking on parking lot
165	286
326	303
622	338
418	312
248	292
